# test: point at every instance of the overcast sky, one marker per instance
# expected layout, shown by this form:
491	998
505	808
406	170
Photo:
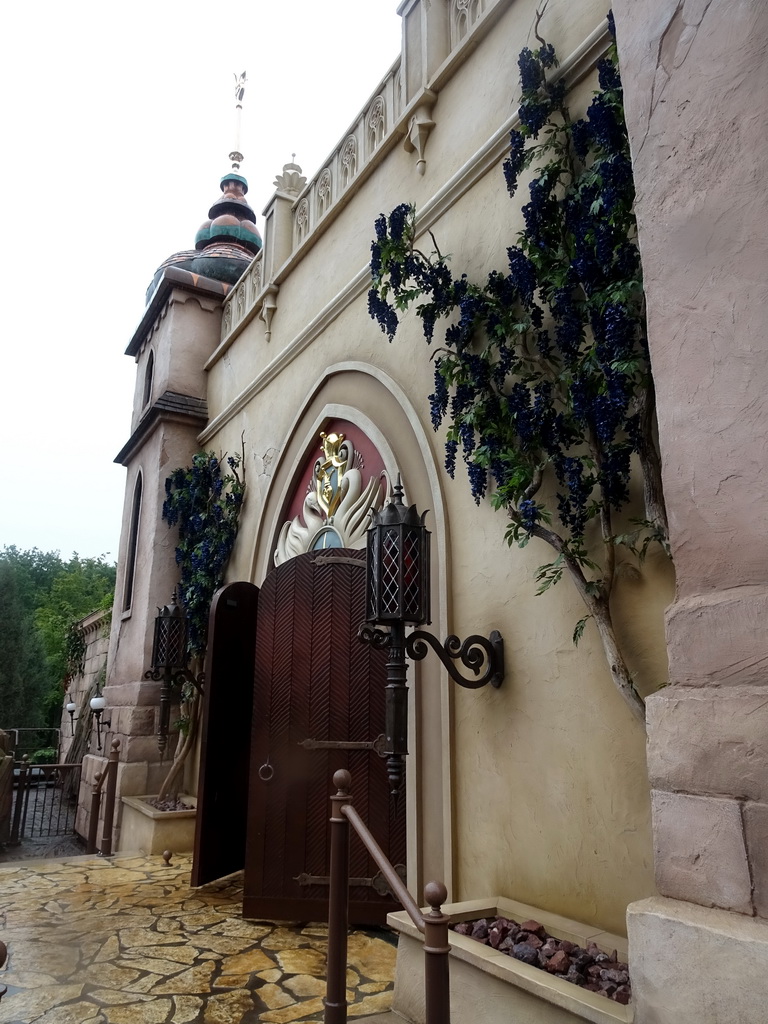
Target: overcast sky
116	126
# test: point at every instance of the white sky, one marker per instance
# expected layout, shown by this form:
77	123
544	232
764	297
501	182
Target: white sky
116	125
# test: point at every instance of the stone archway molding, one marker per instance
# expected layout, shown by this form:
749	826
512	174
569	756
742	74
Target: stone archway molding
363	395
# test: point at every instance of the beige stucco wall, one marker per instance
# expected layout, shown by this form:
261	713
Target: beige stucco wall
542	785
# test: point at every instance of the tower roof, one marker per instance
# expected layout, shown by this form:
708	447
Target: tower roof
228	240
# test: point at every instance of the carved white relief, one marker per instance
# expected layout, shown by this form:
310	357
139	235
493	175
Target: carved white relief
291	180
227	321
348	161
419	128
302	221
398	89
336	510
464	14
241	302
324	192
377	122
255	277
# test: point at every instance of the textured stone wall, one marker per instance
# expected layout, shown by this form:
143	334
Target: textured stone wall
696	91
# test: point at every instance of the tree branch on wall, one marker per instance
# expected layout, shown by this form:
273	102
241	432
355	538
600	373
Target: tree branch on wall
543	377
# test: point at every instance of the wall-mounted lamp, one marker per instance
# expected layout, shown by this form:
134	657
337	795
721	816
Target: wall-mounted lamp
169	662
397	595
70	707
98	703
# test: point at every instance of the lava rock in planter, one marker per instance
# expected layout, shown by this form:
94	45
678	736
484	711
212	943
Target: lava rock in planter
559	963
172	803
527	954
529	942
498	932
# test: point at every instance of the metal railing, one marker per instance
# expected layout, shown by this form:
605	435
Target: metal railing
45	800
26	740
108	776
434	926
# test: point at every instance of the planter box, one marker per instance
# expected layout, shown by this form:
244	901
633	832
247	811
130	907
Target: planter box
149	831
494	988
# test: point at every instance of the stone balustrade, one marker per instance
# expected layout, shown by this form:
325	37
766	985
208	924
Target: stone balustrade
434	36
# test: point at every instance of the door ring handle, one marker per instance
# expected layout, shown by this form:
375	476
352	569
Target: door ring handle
266	772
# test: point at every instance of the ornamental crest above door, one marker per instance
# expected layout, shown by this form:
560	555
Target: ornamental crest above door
337	499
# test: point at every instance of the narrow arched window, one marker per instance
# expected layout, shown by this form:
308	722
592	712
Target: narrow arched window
133	541
148	375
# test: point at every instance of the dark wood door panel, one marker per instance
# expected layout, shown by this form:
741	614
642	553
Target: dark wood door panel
314	680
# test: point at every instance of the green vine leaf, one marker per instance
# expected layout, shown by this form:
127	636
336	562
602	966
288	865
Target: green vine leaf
204	501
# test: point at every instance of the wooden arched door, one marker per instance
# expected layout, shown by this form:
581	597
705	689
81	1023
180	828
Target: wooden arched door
318	706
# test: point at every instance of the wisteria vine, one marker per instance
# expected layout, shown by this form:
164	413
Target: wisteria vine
204	501
544	371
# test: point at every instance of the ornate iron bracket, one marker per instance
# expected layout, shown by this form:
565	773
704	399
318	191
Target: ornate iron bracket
380	638
168	680
181	676
476	653
482	655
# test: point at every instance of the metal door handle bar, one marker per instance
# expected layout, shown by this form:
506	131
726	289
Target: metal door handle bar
377	745
378	883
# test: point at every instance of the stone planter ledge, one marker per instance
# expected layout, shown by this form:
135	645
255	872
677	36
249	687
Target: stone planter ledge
145	829
495	988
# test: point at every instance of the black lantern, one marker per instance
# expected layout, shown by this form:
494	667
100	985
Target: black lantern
169	662
397	595
169	649
398	565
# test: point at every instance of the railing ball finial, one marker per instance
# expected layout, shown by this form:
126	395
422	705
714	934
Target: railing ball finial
435	893
342	780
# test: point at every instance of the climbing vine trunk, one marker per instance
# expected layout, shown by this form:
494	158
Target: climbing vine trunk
172	780
616	664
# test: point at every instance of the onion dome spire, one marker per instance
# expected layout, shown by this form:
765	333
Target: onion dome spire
228	240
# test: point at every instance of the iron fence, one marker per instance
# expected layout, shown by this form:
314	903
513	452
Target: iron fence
44	800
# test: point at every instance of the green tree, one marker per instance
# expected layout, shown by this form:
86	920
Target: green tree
48	595
23	670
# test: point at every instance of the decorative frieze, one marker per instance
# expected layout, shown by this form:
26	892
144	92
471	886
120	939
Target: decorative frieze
364	144
348	161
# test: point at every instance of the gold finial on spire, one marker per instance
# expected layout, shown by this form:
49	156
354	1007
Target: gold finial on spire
236	156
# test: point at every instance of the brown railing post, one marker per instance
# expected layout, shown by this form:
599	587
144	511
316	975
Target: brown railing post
93	822
434	926
109	805
436	951
21	797
338	912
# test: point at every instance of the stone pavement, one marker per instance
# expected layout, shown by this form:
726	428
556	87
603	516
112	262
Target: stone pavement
126	941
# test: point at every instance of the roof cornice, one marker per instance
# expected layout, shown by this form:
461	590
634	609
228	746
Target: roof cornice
169	407
173	278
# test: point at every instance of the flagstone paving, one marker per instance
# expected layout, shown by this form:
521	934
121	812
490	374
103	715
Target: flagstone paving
127	941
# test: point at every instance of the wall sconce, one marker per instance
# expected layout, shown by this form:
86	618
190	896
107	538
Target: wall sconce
169	662
397	595
98	703
70	707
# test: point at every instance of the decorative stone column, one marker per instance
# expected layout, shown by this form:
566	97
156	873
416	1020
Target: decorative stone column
696	93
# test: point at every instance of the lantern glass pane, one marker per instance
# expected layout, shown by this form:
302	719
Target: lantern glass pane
170	642
412	576
390	565
372	568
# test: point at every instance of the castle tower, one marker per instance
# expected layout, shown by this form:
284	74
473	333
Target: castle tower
177	334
